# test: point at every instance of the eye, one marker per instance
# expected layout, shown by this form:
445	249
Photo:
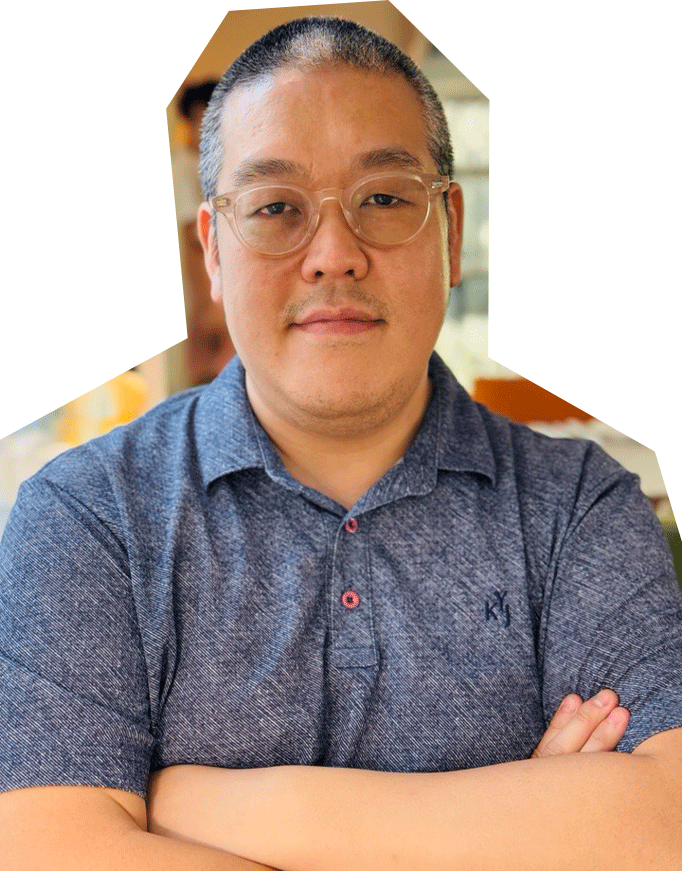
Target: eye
275	209
383	200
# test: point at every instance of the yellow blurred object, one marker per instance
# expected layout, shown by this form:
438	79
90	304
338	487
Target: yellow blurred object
181	133
117	402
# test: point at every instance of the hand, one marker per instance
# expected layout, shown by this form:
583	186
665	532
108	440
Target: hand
584	727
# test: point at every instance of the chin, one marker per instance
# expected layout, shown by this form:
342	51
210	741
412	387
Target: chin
349	406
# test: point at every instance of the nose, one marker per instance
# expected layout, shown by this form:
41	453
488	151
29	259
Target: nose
334	250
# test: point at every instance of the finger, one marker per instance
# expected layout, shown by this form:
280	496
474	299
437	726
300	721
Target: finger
562	716
580	727
609	732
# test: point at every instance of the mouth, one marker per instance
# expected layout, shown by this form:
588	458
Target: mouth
341	321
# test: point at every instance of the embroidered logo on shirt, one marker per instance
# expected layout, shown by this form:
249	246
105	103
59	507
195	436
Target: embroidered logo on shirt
498	611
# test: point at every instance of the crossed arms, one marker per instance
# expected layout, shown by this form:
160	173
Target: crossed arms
569	807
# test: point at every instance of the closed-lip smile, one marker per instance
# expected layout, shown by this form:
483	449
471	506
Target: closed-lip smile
347	321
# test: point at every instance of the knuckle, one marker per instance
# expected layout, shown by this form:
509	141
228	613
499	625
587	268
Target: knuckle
587	714
552	748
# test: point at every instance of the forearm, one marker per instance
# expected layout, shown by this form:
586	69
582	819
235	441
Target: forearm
574	811
570	812
158	853
71	828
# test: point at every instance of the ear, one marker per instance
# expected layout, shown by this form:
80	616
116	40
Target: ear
209	243
455	210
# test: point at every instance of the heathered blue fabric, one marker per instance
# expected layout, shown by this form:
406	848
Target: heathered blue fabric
169	594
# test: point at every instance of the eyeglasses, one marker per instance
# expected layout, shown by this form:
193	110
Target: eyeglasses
388	208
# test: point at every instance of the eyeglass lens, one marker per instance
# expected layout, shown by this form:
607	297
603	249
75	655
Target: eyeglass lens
388	211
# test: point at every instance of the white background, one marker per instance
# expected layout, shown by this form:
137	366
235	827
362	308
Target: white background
585	197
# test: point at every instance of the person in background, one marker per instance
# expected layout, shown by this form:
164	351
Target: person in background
345	617
208	347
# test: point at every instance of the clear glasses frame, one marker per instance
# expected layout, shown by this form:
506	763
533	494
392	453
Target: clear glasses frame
226	204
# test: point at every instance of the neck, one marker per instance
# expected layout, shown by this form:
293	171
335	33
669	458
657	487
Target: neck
343	463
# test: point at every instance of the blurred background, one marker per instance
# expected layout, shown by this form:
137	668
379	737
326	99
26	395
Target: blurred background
463	340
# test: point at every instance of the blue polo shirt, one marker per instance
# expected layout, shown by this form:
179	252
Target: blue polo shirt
170	594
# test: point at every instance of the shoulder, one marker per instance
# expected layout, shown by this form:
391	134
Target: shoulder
518	460
141	473
148	441
524	473
558	470
134	462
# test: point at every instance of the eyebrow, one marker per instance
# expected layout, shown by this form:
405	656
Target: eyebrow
256	170
395	156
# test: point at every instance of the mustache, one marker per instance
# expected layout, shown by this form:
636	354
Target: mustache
336	297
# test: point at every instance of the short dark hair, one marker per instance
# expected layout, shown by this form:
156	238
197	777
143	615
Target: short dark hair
307	43
192	94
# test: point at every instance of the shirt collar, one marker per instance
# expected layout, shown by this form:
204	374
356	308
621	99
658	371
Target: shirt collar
452	436
463	442
225	435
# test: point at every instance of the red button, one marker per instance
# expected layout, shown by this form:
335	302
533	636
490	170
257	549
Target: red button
350	599
351	525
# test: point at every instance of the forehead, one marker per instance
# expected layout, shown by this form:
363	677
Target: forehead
318	124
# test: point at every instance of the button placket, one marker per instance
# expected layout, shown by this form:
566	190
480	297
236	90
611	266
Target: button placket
352	635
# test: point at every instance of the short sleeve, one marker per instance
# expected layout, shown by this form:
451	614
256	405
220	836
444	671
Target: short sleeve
613	616
74	702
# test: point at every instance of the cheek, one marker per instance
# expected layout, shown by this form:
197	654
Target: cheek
253	291
425	293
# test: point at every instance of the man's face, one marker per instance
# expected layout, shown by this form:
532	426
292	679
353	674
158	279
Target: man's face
338	334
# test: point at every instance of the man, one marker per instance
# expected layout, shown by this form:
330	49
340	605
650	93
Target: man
328	599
